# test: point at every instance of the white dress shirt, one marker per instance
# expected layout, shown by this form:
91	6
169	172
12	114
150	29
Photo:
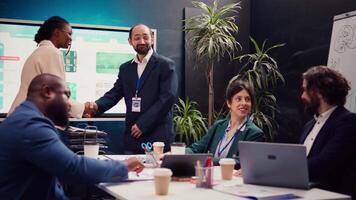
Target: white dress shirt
142	65
320	121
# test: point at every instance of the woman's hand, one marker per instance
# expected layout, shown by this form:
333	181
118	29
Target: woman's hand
238	173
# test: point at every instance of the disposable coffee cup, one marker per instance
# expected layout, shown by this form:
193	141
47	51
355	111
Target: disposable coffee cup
162	177
91	149
178	148
158	147
227	168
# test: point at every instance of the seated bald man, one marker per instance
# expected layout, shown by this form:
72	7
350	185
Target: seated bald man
32	157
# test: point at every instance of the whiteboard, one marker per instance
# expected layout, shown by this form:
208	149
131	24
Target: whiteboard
342	52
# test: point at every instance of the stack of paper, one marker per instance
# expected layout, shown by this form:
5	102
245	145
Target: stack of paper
253	192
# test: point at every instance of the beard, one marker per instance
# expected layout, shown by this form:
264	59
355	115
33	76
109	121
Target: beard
311	107
58	112
142	49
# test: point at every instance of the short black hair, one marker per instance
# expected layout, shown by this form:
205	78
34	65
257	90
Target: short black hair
131	29
235	86
46	30
52	81
329	83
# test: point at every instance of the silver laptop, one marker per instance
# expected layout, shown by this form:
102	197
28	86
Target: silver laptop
274	164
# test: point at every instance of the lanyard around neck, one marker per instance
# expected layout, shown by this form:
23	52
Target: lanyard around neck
137	85
232	138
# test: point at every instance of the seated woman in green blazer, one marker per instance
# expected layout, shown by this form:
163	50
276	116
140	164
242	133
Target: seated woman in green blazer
223	137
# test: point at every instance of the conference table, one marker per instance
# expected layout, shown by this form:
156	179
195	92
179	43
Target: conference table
145	189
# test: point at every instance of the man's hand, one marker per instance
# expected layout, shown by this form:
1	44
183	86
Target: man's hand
90	108
134	165
135	131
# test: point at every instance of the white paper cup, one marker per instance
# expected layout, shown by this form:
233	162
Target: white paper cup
91	150
227	168
162	177
158	147
178	148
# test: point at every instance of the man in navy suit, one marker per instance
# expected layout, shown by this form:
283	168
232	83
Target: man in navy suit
32	156
330	138
149	85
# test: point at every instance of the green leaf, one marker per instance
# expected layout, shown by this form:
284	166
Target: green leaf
257	48
190	125
212	34
262	73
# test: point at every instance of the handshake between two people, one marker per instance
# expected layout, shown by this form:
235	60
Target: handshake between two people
90	109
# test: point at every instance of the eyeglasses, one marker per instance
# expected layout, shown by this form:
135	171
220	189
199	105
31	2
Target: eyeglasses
68	32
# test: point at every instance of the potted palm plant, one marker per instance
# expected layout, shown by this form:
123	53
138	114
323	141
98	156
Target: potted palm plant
262	73
189	122
212	36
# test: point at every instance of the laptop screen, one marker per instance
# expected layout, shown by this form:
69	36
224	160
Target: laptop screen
183	165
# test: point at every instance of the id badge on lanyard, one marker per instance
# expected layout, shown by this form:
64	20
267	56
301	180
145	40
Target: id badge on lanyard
136	101
136	104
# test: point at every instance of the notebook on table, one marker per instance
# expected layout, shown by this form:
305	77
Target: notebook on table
274	164
183	165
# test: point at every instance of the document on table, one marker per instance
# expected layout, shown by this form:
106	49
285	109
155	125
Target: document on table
142	157
145	175
250	191
122	157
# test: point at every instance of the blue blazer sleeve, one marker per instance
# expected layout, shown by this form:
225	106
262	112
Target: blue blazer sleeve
42	147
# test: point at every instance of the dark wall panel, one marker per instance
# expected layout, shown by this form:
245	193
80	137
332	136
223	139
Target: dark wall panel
196	87
305	26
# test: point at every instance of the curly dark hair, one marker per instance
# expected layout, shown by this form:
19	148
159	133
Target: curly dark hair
235	86
329	83
46	30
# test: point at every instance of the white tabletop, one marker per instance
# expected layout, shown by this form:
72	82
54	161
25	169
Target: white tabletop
185	190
